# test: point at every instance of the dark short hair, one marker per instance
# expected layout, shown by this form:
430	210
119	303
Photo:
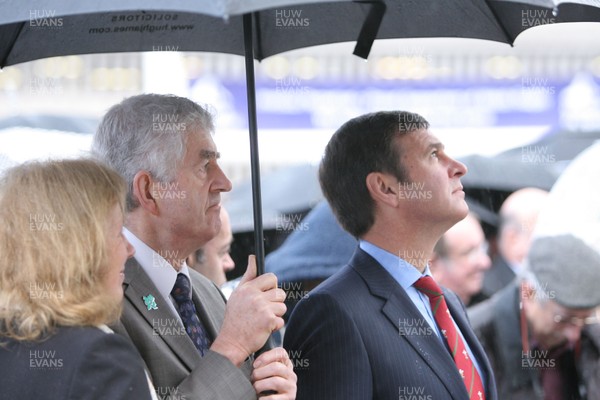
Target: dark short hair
363	145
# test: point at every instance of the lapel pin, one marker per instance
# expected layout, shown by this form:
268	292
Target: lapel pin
150	302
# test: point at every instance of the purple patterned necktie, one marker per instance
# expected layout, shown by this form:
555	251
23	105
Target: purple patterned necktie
187	311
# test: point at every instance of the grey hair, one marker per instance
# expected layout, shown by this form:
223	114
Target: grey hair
148	132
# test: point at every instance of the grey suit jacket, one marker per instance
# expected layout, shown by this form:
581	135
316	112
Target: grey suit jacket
359	336
176	368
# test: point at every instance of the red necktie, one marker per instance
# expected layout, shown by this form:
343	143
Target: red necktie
465	366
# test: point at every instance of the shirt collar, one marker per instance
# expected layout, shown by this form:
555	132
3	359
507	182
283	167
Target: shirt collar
402	271
160	272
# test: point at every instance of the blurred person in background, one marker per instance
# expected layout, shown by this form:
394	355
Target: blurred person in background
460	258
195	345
213	260
518	216
61	270
541	332
309	256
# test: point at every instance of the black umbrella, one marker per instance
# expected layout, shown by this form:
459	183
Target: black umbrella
578	11
554	147
507	173
33	29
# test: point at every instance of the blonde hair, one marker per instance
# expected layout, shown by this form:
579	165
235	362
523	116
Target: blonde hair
53	256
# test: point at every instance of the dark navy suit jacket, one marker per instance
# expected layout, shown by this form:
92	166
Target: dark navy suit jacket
72	364
359	336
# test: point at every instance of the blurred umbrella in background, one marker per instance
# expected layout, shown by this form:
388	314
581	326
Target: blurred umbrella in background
314	250
573	206
578	11
65	123
40	136
287	191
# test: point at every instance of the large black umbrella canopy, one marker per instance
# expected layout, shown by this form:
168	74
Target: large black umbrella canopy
34	29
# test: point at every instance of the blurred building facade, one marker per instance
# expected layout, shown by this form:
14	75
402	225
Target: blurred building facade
544	82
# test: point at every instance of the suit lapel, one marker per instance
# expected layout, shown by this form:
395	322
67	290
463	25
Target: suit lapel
167	326
399	307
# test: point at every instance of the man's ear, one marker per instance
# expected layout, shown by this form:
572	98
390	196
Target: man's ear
143	191
383	188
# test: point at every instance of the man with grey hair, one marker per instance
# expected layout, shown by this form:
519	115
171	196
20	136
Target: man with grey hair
541	333
195	346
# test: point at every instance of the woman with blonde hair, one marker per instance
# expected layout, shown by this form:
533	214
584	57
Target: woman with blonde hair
62	257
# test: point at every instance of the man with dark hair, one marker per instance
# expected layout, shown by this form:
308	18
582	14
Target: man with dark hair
381	328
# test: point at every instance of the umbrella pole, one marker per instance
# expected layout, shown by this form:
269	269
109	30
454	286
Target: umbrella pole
254	161
255	164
